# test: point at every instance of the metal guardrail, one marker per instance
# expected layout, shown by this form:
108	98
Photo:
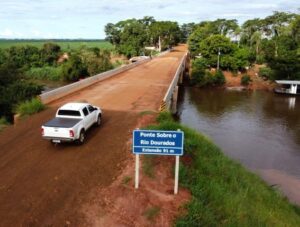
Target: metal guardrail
168	95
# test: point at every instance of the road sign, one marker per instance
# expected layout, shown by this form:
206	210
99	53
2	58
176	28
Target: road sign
158	142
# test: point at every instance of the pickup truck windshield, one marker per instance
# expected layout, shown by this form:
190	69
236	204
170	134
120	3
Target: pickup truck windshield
69	113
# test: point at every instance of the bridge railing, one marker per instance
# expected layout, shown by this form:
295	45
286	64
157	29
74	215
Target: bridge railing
58	93
71	88
166	102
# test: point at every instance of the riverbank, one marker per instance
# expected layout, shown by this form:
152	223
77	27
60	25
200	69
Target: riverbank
223	192
257	83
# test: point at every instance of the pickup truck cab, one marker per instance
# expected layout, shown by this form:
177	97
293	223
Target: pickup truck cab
71	122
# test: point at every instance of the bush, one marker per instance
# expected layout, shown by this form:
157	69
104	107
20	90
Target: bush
74	69
202	77
219	78
245	80
30	107
45	73
266	73
3	123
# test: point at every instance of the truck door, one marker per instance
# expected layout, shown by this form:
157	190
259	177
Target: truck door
93	112
88	121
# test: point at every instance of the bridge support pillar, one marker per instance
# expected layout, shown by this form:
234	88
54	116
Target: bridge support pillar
174	100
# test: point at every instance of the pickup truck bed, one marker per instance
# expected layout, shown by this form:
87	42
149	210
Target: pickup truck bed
62	122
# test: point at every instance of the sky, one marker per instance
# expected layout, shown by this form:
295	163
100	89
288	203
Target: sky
86	19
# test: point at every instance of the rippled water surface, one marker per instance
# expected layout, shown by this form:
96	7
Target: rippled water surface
259	129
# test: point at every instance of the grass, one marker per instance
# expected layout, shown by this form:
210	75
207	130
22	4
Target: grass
223	192
126	180
148	165
30	107
147	112
45	73
64	44
151	213
3	123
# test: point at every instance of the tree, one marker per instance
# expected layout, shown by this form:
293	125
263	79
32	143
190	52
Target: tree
74	69
224	27
13	89
168	31
50	53
256	40
96	60
210	47
131	36
286	63
274	25
187	30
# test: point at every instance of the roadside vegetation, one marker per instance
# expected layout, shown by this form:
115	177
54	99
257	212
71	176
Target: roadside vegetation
3	123
24	70
223	192
273	42
30	107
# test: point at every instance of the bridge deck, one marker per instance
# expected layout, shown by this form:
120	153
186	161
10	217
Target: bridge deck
138	89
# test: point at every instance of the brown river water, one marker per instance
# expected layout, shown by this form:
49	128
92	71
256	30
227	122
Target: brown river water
259	129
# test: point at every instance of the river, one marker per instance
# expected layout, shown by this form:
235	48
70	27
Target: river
259	129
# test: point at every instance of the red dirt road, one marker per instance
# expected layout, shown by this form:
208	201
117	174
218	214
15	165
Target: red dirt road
44	185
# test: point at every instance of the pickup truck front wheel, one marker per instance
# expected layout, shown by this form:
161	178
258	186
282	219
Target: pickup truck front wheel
98	122
81	137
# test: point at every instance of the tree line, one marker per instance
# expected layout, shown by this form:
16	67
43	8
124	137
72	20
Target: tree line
130	37
273	41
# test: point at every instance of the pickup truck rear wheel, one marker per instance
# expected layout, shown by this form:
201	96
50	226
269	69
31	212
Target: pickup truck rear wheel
81	137
98	122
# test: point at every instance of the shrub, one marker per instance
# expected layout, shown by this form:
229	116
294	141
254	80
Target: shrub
245	80
3	123
198	72
30	107
74	69
219	78
151	213
266	73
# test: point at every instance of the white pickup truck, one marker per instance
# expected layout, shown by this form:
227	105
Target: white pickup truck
71	122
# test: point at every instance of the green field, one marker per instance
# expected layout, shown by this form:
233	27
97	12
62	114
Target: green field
64	44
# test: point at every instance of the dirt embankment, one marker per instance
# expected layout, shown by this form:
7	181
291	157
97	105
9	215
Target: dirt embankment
257	83
152	204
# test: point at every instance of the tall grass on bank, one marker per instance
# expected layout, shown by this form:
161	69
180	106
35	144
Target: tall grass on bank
30	107
223	192
45	73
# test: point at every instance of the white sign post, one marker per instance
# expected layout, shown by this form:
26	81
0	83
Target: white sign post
137	168
176	174
157	143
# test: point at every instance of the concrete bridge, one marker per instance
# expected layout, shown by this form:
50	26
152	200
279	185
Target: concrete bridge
44	185
168	102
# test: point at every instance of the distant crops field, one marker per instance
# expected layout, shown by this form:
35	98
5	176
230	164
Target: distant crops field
64	44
